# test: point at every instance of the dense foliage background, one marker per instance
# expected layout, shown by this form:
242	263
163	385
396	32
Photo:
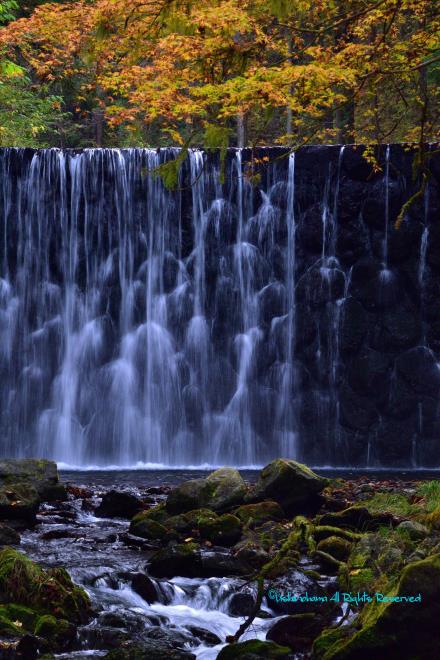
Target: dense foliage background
218	72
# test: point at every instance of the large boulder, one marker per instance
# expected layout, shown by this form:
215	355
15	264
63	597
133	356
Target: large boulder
117	504
24	483
392	625
289	483
221	490
51	592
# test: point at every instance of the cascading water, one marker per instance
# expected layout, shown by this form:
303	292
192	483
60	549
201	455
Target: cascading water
222	323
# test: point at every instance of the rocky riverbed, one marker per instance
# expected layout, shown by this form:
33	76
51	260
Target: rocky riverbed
217	566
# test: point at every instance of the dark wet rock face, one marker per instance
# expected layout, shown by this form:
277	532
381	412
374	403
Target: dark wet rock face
118	505
238	323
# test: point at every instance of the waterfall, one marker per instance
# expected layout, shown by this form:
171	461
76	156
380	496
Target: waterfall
387	208
221	323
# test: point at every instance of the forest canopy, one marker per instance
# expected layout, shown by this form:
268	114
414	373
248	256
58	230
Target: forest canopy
218	72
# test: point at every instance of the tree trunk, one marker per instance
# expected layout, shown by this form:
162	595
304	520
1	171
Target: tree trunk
241	131
98	121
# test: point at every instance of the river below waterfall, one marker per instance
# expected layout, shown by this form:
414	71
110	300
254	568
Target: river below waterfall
103	557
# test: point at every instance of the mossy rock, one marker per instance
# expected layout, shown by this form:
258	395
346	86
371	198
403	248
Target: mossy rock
271	535
290	484
253	649
186	496
257	514
433	519
225	489
321	532
181	559
24	483
328	640
357	518
50	591
9	628
220	491
250	551
335	546
24	615
58	632
398	629
413	530
148	529
220	530
157	513
186	523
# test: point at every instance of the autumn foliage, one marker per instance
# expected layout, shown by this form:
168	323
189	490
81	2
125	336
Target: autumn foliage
137	72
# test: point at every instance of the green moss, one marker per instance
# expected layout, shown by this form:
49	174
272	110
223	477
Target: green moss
25	615
10	629
220	491
321	532
257	514
335	546
395	503
58	632
433	519
149	529
329	640
222	530
398	629
287	482
430	491
271	535
253	648
187	523
51	591
157	513
46	626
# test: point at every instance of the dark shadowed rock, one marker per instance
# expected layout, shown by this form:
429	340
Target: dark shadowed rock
357	517
418	367
145	587
206	636
357	411
296	631
8	535
118	505
253	649
353	327
242	603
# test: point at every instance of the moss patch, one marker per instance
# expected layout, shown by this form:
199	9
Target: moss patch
253	648
52	592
